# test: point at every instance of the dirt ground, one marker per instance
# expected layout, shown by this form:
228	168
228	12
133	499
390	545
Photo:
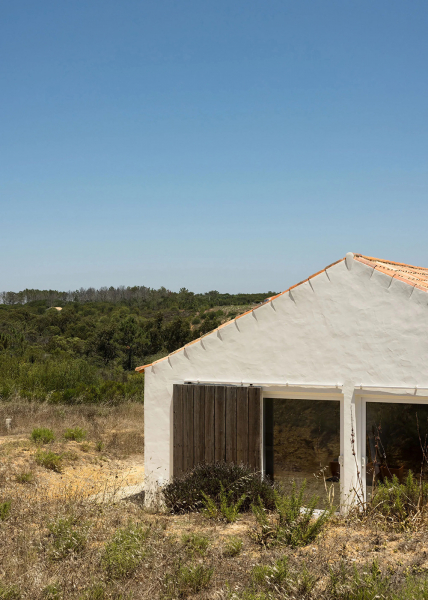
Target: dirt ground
85	490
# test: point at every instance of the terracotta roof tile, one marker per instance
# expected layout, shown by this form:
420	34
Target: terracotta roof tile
416	276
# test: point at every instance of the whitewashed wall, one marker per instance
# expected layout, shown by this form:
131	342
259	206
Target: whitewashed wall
350	325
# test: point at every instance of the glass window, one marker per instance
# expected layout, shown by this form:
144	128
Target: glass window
395	436
302	442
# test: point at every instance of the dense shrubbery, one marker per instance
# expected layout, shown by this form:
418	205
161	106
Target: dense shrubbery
87	351
188	493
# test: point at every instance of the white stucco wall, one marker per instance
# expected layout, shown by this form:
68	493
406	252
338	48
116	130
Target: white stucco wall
350	325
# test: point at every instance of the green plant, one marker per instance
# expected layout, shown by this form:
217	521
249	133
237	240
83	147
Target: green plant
280	576
76	434
271	574
24	477
49	460
42	435
5	510
228	509
99	446
399	502
187	580
350	584
95	592
293	521
196	543
52	592
66	538
9	592
188	492
125	551
233	546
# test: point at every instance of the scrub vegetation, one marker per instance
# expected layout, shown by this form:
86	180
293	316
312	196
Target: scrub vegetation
83	346
61	541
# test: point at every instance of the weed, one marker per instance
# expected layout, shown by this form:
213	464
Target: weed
49	460
76	434
52	592
350	584
399	502
5	511
196	543
85	447
293	521
187	580
42	435
94	592
24	477
125	551
99	446
233	546
9	592
228	509
281	576
66	538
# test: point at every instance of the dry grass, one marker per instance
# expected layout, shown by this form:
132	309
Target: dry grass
60	542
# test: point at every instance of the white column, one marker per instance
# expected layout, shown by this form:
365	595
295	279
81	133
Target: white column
349	447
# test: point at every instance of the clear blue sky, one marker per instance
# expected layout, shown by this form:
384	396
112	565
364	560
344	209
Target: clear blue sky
232	145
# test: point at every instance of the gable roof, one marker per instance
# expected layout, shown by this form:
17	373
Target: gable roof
414	276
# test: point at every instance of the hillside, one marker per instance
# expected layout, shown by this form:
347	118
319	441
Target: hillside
83	346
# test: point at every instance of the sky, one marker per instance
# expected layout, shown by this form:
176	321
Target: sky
232	145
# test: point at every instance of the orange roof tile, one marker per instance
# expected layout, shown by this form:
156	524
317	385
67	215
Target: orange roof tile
415	276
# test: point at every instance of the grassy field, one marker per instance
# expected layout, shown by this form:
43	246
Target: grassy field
64	535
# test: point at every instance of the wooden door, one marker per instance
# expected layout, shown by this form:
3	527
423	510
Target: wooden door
216	423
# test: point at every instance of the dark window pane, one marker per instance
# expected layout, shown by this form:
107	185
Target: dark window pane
394	435
302	442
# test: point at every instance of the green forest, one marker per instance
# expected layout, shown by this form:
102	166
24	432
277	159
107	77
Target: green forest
83	346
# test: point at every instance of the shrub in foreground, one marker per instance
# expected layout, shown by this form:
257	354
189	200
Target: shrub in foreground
125	551
187	580
76	434
49	460
4	510
67	538
188	492
42	435
293	521
399	502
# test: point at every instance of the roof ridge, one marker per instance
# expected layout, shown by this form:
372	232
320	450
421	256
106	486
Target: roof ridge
138	369
391	262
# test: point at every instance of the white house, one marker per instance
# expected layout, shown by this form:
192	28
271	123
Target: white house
355	335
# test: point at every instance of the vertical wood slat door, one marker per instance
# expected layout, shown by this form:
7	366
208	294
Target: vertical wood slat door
216	423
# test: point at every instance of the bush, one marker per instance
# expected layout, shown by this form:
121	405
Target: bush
233	546
293	521
125	551
399	502
24	477
5	510
42	435
76	434
280	576
66	538
187	493
196	543
49	460
188	580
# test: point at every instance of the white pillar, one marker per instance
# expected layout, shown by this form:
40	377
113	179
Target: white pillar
349	447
